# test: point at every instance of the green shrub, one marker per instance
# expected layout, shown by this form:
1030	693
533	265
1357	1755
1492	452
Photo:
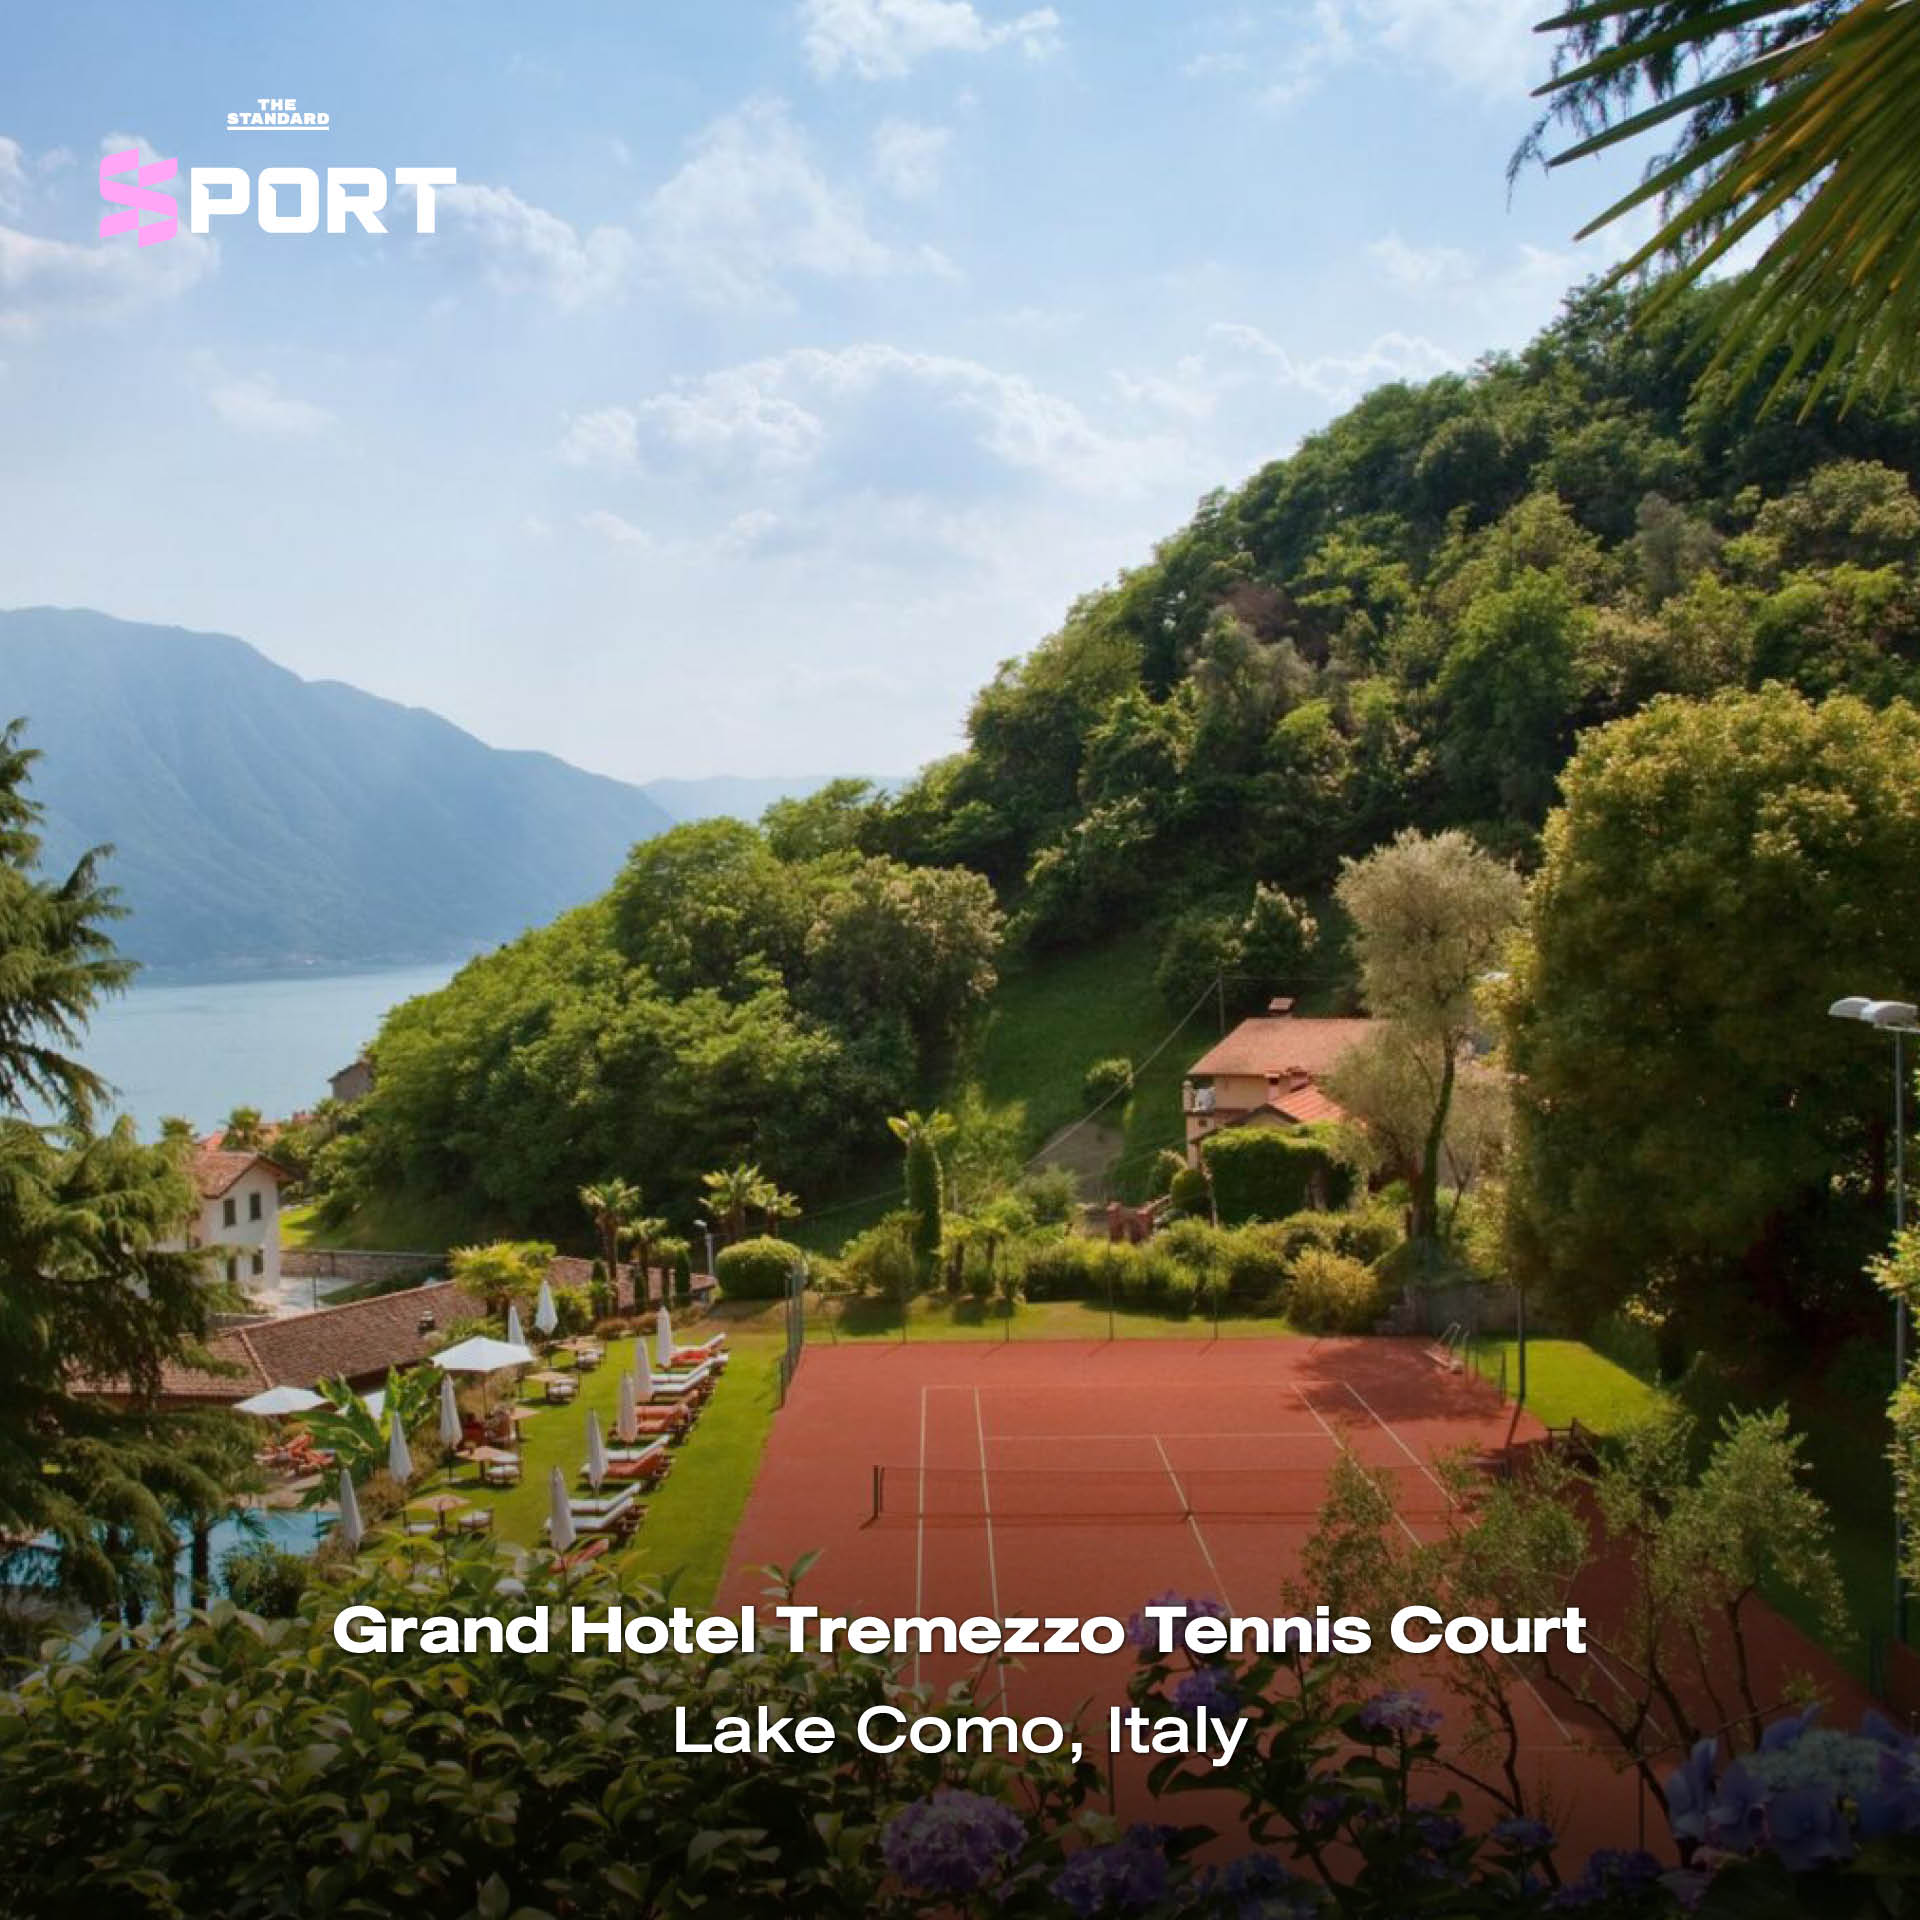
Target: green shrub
1190	1193
1053	1193
600	1291
1107	1081
1259	1173
1310	1228
1634	1344
881	1260
1172	1287
1332	1293
1255	1263
1370	1233
573	1307
1168	1165
264	1579
1059	1269
759	1269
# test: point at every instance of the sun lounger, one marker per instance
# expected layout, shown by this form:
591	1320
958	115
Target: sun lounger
587	1550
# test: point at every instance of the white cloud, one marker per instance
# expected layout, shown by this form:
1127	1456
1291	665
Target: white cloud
1239	362
1486	46
44	281
1410	266
253	403
884	39
907	157
786	412
751	206
525	249
608	438
610	527
13	175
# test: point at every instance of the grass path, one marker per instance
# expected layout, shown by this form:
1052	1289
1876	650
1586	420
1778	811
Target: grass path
1567	1380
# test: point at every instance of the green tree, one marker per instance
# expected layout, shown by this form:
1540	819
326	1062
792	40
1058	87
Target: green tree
923	1135
503	1273
732	1193
245	1131
1788	109
612	1206
60	958
645	1234
1716	877
1430	916
92	1290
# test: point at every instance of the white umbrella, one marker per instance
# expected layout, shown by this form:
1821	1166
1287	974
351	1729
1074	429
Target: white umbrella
546	1316
351	1531
450	1427
281	1400
399	1454
663	1335
483	1354
559	1514
625	1423
642	1371
516	1334
596	1452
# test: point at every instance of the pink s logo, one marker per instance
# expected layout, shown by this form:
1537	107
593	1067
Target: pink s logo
143	198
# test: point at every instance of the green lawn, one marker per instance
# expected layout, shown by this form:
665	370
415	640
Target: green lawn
1567	1380
690	1520
395	1222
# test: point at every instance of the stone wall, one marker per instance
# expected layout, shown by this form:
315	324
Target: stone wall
353	1267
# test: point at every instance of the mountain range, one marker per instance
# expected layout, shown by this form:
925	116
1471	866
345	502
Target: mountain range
261	822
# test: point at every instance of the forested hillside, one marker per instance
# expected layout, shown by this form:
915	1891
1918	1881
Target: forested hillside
1407	622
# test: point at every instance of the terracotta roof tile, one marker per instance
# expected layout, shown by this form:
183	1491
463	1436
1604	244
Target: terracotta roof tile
215	1170
361	1340
1281	1045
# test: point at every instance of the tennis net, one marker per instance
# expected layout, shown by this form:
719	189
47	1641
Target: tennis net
1015	1494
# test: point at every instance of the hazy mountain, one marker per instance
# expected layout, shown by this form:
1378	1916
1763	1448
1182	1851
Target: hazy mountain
262	821
742	796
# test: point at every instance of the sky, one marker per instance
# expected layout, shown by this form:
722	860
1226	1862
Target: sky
776	368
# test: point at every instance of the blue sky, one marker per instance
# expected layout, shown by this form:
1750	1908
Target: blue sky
775	370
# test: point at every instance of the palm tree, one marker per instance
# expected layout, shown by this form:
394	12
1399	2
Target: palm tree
731	1191
923	1135
643	1236
778	1207
199	1474
611	1203
245	1131
1795	110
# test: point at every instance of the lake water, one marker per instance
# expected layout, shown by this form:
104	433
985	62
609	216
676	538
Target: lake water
201	1051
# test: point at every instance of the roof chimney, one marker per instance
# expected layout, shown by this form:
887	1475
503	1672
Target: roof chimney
1279	1009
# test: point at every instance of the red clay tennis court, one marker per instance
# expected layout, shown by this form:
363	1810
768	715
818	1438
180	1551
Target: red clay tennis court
1059	1478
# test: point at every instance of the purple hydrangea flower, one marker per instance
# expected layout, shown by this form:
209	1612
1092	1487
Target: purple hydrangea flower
1524	1835
953	1843
1127	1876
1397	1713
1326	1810
1258	1887
1613	1873
1144	1634
1440	1832
1690	1791
1738	1811
1806	1828
1783	1733
1208	1687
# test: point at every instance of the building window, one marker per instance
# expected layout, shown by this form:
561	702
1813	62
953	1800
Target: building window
259	1263
229	1215
233	1269
253	1206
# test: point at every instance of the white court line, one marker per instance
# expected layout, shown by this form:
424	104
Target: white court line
1560	1726
1398	1442
1193	1522
1274	1433
920	1531
986	1508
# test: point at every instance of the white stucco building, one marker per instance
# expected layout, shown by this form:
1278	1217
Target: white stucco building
239	1216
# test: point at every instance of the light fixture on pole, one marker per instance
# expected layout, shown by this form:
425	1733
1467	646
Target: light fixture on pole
1899	1018
706	1229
